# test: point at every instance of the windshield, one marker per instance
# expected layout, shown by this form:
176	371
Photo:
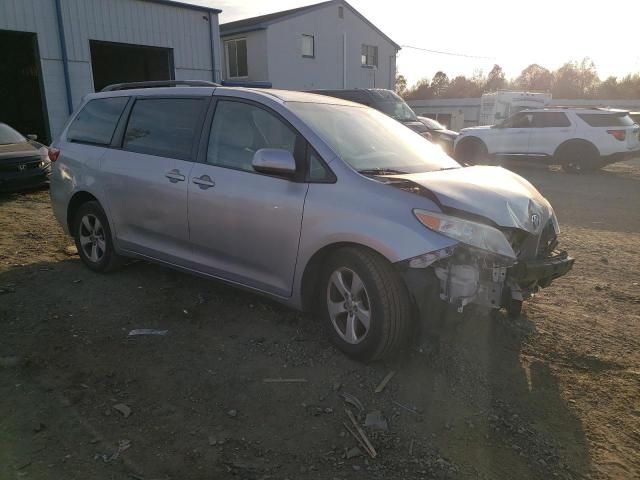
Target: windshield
398	110
370	141
431	123
9	135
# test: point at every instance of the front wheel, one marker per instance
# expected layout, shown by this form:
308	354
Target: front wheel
471	151
366	305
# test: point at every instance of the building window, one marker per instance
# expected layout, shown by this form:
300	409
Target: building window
369	56
308	46
340	12
237	58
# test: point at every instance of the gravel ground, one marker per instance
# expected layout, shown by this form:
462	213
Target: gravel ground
552	395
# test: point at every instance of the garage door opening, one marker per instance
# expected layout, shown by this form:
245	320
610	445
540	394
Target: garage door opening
121	62
22	103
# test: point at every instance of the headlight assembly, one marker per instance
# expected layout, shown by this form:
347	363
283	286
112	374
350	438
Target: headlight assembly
475	234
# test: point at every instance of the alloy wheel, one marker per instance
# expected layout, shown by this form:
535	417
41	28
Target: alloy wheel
348	305
92	238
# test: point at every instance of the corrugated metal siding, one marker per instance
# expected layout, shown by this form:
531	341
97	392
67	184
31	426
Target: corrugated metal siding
125	21
37	16
140	23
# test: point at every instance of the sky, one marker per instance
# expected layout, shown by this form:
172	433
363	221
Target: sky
512	34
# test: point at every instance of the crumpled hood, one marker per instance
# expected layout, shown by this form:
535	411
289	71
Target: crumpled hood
495	193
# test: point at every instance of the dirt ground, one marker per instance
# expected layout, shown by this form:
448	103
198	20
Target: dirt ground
555	394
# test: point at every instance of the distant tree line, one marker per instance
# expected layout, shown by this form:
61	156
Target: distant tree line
572	80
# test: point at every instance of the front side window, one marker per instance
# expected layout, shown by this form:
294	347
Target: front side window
165	127
239	130
550	120
519	120
237	58
369	56
308	46
370	141
97	121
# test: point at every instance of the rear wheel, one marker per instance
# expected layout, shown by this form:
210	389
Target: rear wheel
471	151
578	157
93	238
366	305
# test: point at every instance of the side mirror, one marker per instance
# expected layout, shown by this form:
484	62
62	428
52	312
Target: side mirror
274	161
32	136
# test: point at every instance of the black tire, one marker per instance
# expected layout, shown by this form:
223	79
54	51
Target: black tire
108	260
578	157
471	151
388	302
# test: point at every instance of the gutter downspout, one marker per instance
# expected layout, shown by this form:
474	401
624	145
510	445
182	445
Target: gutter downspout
344	60
213	54
65	58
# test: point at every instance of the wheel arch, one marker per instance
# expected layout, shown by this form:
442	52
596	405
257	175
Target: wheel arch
313	269
78	199
574	141
467	140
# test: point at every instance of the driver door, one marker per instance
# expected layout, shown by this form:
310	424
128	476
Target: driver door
244	225
512	136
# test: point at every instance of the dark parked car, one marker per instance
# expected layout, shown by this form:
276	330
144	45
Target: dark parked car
24	163
440	134
383	100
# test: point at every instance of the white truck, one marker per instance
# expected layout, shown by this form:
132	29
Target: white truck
496	106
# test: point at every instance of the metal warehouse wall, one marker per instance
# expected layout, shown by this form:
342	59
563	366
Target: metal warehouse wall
139	22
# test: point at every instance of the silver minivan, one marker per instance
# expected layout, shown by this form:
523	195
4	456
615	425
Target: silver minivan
316	202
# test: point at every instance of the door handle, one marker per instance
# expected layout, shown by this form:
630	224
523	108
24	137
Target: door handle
204	182
175	176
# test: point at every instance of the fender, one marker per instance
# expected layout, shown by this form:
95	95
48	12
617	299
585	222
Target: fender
379	218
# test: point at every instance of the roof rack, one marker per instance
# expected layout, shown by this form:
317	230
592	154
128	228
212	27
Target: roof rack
157	84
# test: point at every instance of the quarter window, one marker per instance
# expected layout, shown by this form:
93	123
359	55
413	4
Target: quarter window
237	58
240	129
97	121
165	127
369	56
308	46
606	120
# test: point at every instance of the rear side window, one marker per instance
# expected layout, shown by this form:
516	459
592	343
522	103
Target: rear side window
550	119
97	121
165	127
606	120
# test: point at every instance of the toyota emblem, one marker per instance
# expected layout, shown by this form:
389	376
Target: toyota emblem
22	167
535	220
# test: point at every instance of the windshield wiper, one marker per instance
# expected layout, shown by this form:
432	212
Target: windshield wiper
381	171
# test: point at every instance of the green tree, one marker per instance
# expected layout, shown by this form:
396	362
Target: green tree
401	85
420	91
575	80
534	77
495	80
439	84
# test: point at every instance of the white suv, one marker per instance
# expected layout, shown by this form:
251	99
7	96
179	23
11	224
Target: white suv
576	138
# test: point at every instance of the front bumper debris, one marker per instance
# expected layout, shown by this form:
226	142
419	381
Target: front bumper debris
471	277
541	271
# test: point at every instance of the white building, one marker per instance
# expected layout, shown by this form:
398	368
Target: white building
53	52
328	45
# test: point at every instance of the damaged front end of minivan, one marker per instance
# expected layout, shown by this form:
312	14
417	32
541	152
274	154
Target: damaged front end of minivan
506	249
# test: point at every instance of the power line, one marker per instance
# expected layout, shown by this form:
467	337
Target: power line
447	53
